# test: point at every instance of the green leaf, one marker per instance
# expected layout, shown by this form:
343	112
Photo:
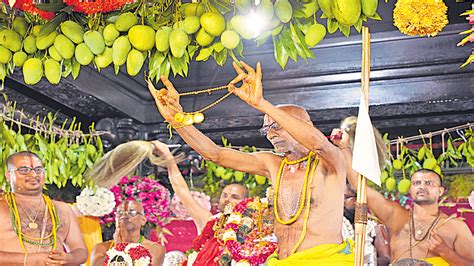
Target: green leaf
279	52
67	67
51	7
263	37
332	25
52	25
376	17
218	47
76	68
240	49
220	57
358	25
346	30
289	45
204	54
192	50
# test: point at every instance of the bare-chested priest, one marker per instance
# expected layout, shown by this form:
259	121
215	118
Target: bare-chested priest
36	230
308	174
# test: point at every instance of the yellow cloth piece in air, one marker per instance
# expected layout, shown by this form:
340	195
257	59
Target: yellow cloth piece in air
327	254
437	261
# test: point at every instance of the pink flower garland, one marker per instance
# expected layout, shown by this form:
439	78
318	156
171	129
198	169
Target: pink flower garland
254	249
154	197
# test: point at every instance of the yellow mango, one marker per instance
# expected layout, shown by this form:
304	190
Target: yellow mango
52	71
178	42
5	55
347	12
230	39
105	59
125	21
83	54
64	46
10	39
283	10
135	60
19	58
191	24
29	44
54	54
142	37
213	23
73	31
120	50
43	42
202	38
315	34
162	39
110	34
32	71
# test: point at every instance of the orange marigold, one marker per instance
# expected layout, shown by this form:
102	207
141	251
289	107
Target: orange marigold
420	17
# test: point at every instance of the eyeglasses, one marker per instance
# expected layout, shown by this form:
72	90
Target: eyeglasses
273	126
131	213
427	183
25	170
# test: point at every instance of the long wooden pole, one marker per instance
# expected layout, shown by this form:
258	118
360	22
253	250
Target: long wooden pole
361	210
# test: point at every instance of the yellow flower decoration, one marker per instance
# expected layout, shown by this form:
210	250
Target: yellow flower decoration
420	17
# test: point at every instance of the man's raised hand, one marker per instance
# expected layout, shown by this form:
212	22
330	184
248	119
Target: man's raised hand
164	98
251	90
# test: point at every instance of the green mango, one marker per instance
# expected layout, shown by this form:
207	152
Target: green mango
283	10
19	25
54	54
52	71
125	21
404	186
203	39
10	39
83	54
369	7
5	55
239	24
73	31
29	44
265	10
46	41
32	71
135	60
162	39
64	46
191	24
95	41
120	50
19	58
213	23
230	39
110	34
194	9
315	34
326	7
36	30
178	42
347	12
105	59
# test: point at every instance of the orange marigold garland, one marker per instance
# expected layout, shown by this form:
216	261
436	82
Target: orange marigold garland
100	6
29	7
420	17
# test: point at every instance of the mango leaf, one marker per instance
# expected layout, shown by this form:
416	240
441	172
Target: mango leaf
192	50
165	68
279	52
51	7
204	54
176	65
67	67
53	24
346	30
289	45
298	37
358	25
76	68
220	57
376	17
240	49
218	47
332	25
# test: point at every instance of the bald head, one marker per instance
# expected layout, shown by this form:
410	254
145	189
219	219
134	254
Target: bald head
295	111
233	193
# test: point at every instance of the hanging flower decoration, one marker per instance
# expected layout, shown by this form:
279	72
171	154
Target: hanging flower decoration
96	201
128	254
469	37
29	7
154	197
248	230
180	211
420	17
100	6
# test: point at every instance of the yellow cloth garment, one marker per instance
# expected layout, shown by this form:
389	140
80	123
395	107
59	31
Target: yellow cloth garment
327	254
91	231
437	261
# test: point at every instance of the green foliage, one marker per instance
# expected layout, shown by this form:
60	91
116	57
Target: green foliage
65	153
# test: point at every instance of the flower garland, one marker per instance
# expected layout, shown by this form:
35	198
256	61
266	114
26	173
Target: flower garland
153	196
177	207
93	7
131	254
469	37
29	7
247	230
420	17
96	201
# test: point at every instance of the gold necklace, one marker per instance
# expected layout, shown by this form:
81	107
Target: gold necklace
196	117
32	224
302	195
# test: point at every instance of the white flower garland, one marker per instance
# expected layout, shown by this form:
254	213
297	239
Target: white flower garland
95	202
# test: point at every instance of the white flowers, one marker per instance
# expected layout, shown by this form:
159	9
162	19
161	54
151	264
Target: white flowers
95	203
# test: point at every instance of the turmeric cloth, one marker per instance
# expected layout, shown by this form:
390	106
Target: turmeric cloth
437	261
326	254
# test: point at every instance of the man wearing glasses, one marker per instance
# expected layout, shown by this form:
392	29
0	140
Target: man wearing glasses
129	219
308	173
422	235
36	230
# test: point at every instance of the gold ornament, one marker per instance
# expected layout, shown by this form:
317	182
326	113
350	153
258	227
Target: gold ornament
196	117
